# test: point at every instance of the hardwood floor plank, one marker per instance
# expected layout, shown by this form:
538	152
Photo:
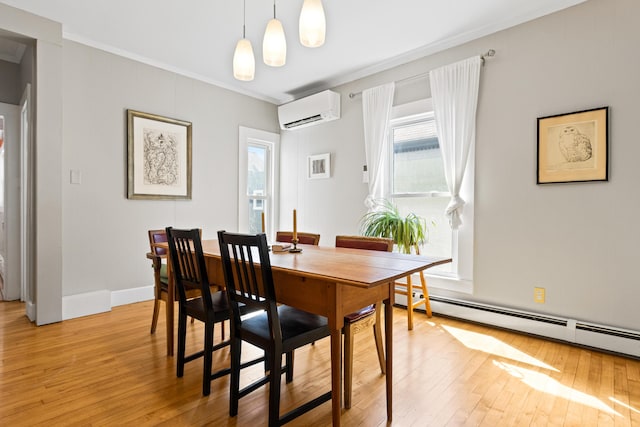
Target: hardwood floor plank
107	370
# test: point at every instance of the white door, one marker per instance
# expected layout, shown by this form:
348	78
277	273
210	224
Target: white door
10	202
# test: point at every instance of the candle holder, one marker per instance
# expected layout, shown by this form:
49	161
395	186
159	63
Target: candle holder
295	248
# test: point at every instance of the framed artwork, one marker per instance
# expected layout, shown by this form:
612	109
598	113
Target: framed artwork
573	147
158	157
319	166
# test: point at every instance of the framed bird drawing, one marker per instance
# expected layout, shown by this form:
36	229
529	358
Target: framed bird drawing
573	147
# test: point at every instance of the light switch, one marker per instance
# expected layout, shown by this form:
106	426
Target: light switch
76	176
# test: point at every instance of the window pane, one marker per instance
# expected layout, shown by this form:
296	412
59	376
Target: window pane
257	170
256	207
417	167
417	159
432	210
257	185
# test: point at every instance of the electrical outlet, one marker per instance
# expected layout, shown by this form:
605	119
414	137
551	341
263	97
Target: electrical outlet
538	295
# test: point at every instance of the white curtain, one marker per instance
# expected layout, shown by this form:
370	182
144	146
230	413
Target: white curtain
454	91
376	109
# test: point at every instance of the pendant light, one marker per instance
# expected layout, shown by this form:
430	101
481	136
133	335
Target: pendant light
244	64
312	24
274	44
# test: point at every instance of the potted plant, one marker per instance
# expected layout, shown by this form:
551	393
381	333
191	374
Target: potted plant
385	221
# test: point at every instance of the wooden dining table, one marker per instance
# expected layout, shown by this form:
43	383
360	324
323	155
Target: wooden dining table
333	282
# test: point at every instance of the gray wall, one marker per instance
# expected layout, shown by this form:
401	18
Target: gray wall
104	233
579	241
10	89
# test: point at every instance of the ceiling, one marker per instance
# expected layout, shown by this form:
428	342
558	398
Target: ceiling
197	38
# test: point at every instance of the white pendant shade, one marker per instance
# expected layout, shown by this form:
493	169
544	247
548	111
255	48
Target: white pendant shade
312	24
244	64
274	44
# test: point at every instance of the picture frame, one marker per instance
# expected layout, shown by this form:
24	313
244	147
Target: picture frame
573	147
158	157
319	166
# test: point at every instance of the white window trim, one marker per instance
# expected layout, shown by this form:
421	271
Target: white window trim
461	278
247	136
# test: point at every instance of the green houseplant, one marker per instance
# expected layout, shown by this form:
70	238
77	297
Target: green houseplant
385	221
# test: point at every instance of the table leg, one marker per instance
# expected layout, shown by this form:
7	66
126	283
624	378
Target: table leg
388	330
336	375
409	303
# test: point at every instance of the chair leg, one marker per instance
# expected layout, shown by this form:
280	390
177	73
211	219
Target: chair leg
348	364
154	319
208	359
234	383
289	362
274	387
169	321
267	362
182	338
377	334
425	294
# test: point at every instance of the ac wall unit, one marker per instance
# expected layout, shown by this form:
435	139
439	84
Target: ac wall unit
319	108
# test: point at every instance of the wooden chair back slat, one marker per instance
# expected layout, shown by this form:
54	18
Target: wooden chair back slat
365	242
303	238
248	277
189	267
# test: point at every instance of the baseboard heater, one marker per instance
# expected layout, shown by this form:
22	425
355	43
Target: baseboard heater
603	337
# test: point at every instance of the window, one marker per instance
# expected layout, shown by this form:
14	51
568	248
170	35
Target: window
417	179
258	154
417	184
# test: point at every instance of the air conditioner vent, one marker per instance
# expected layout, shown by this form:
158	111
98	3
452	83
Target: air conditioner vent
304	121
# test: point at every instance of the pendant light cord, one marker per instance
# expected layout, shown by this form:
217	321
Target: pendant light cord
244	19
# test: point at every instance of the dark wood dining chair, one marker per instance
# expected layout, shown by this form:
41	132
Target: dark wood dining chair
161	285
278	329
162	291
364	318
190	273
156	255
303	238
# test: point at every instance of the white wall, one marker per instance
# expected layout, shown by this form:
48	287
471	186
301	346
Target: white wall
104	234
579	241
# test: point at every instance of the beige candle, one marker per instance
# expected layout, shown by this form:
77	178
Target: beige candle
295	226
263	222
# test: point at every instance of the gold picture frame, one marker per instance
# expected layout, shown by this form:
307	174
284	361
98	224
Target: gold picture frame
573	147
158	157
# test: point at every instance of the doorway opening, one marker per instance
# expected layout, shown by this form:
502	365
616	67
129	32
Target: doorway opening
2	222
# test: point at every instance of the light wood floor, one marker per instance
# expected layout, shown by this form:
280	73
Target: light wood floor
107	369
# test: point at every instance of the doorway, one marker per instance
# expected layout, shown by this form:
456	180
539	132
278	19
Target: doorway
2	224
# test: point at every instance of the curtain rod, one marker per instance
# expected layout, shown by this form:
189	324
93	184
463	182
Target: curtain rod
488	54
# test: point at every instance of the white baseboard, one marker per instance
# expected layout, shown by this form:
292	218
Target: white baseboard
95	302
129	296
603	337
31	310
85	304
